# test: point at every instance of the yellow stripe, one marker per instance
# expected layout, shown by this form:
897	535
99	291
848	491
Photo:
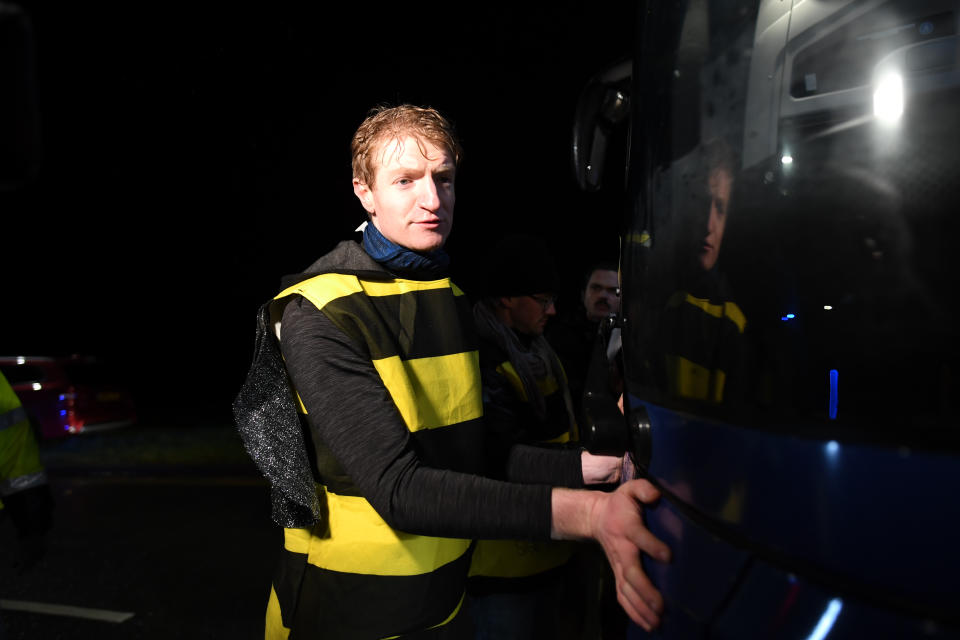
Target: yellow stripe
296	540
547	385
507	371
517	558
300	404
397	287
642	238
274	629
320	290
434	392
732	311
727	309
358	540
691	380
562	438
719	379
19	453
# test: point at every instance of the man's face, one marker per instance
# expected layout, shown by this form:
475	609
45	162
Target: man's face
411	200
529	314
720	184
600	297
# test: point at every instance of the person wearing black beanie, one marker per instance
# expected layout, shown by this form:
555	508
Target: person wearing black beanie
523	590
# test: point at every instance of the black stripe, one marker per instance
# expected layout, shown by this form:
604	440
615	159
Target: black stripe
557	421
335	605
694	334
487	585
458	447
418	324
286	582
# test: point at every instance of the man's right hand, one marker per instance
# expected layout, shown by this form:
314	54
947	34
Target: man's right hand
618	527
615	520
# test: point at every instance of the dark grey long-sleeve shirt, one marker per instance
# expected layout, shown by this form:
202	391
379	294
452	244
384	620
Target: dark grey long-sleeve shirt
350	410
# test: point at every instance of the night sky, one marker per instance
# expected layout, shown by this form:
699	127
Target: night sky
194	155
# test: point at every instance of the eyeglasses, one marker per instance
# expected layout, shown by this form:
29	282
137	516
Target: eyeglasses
545	301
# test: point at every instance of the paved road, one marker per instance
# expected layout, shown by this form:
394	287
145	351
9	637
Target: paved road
188	549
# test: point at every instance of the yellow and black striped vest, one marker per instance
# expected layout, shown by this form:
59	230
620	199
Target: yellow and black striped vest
702	344
352	575
526	558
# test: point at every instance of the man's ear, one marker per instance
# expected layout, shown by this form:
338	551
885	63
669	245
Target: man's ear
505	302
364	194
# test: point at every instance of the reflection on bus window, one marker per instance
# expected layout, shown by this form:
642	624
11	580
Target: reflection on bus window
797	216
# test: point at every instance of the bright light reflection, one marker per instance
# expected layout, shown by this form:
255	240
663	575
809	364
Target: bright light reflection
21	359
827	307
888	98
826	620
787	159
832	447
37	386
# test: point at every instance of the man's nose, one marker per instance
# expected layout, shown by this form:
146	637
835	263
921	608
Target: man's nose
712	218
551	309
429	198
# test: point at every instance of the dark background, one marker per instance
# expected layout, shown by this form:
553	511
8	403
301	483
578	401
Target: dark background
192	155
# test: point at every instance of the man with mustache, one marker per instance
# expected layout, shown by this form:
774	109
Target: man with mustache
574	332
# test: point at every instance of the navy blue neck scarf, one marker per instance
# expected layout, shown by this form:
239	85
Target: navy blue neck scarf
402	261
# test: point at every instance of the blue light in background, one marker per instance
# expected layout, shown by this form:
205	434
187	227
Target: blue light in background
63	412
789	316
834	377
832	447
826	620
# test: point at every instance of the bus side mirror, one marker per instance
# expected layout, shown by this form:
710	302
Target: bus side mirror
603	106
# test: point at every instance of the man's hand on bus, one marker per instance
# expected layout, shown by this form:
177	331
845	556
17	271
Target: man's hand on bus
615	520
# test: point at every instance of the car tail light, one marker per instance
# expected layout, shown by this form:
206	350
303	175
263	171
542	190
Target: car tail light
71	423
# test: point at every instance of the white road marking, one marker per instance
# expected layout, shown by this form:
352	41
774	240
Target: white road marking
104	615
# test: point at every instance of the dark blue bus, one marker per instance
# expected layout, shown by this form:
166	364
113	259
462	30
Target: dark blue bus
790	333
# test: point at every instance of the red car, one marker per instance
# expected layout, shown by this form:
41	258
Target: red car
71	395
